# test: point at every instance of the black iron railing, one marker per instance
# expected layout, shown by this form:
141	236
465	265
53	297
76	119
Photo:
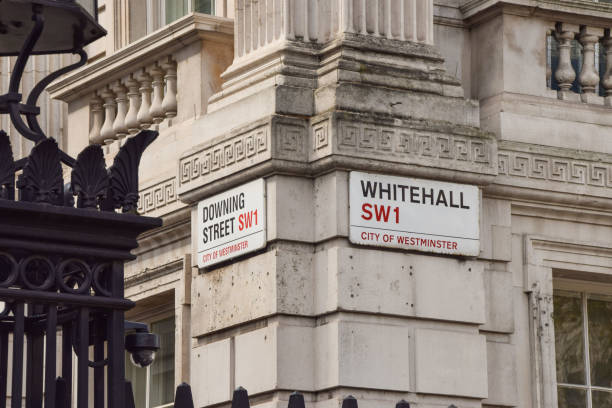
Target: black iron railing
63	246
240	399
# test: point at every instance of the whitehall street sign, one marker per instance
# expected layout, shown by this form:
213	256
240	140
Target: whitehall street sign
414	214
231	224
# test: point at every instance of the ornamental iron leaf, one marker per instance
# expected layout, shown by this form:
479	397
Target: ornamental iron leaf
123	191
42	180
7	168
90	179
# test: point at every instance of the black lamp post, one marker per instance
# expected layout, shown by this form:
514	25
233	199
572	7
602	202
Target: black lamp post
61	264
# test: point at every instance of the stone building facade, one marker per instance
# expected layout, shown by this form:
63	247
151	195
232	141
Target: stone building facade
513	97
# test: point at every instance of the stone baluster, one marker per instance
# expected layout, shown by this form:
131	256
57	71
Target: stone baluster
144	113
110	108
119	126
589	78
97	118
131	118
157	111
607	77
169	104
565	73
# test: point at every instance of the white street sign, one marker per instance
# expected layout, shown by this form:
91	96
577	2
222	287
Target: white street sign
414	214
231	224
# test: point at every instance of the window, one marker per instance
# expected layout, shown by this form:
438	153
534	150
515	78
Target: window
153	386
583	348
161	12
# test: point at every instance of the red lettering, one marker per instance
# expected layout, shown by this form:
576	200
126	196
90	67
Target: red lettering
367	214
245	221
381	213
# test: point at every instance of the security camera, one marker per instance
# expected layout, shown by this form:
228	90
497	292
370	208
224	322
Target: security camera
142	346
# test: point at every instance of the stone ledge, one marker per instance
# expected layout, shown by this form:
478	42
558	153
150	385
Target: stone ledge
280	144
167	40
572	11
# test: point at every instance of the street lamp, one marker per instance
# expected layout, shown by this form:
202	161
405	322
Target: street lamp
61	259
65	25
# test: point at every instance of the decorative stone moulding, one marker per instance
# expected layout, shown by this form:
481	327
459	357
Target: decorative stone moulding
144	97
263	22
587	76
339	140
529	172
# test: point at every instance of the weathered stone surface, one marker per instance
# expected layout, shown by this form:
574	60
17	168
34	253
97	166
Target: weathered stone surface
211	373
451	363
499	301
276	281
501	372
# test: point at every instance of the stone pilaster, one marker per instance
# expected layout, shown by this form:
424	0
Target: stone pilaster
317	89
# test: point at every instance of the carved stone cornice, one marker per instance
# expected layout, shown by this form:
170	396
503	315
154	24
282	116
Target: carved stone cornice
558	175
569	11
147	50
148	274
158	198
343	140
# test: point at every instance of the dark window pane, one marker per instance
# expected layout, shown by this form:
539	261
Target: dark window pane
569	339
599	311
553	61
602	68
602	399
175	9
161	378
571	398
577	60
204	6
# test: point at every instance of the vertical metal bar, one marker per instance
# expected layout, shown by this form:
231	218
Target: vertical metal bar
99	370
50	356
34	368
116	344
67	361
3	366
18	339
61	394
83	358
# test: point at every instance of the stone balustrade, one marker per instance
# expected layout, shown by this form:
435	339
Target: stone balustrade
143	98
587	44
262	22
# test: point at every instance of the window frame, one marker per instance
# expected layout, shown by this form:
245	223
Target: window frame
150	316
548	259
156	13
586	290
156	318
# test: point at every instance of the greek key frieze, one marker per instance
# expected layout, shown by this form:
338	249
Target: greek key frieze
405	141
157	196
232	152
563	170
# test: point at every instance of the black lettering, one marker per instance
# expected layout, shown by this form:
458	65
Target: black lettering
368	189
385	191
451	200
403	188
414	195
430	195
441	198
467	207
